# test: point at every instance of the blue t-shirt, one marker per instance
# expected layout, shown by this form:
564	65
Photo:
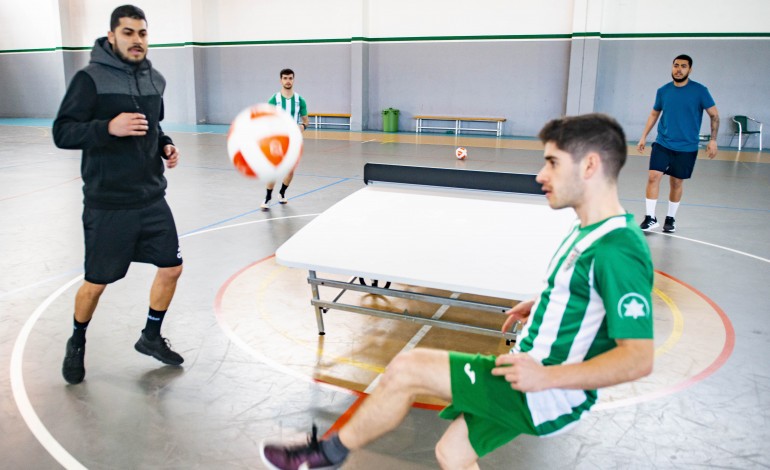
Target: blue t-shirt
682	108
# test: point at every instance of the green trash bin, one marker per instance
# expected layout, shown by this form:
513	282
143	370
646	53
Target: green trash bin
390	120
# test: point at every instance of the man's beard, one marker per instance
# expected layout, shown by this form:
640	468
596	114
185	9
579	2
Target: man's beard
680	80
126	59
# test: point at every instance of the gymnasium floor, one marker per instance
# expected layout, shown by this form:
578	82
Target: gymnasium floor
255	367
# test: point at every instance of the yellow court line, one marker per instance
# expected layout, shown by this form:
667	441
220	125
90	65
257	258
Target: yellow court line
676	331
264	286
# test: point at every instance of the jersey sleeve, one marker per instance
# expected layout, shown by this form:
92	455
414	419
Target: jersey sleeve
272	100
658	106
623	278
706	100
302	107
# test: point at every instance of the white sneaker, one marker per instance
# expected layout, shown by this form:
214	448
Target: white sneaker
264	206
283	200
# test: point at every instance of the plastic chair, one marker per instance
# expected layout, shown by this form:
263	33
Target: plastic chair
742	128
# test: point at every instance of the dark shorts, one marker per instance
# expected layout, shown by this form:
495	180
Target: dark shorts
494	412
672	162
116	237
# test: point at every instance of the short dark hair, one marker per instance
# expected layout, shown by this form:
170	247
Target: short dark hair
579	135
125	11
683	57
286	72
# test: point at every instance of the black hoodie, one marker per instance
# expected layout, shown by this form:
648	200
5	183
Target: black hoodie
118	172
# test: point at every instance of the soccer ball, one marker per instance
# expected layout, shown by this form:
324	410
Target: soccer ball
264	142
461	153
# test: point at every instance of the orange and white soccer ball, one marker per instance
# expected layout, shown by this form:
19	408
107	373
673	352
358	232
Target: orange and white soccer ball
461	153
264	142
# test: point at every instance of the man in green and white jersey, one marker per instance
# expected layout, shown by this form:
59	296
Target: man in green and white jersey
295	105
590	327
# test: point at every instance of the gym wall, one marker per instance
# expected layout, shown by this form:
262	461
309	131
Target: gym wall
525	61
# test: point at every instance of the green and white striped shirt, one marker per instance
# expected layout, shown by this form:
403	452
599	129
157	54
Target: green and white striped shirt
295	105
598	289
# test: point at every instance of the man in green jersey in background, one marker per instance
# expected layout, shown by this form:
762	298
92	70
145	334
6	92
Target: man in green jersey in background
590	327
295	105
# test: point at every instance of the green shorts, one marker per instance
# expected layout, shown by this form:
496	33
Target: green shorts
495	413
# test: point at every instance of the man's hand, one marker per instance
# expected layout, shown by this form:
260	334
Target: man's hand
128	124
711	149
640	146
518	313
522	372
171	155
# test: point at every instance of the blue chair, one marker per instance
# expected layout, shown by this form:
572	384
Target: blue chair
742	128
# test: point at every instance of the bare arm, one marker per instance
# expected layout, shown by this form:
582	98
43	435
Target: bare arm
631	359
654	115
711	148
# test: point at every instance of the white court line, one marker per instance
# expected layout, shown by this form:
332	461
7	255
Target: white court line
367	141
715	246
19	390
415	339
61	455
20	393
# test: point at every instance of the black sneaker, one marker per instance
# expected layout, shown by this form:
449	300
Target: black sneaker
159	348
649	223
669	225
73	369
300	456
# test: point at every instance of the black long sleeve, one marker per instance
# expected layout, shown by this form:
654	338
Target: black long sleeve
75	126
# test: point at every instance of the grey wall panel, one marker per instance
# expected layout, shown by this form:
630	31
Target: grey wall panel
178	67
735	71
31	85
236	77
523	81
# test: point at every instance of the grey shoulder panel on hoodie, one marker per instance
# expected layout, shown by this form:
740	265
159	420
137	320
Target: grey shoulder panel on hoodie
113	76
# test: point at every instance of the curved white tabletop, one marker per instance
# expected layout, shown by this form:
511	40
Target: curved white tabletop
475	242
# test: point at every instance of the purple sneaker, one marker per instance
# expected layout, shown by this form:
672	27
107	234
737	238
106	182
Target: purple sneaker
297	457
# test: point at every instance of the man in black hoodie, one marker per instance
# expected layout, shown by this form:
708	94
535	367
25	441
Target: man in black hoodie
112	112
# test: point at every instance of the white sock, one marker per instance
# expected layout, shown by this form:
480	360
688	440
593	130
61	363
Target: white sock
651	203
672	207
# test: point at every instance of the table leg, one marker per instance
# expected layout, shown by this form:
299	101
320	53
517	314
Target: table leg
318	313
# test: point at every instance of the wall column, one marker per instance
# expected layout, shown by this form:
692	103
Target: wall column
359	68
584	56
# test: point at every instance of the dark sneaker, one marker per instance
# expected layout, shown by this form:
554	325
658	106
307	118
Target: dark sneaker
649	223
73	369
669	225
299	456
159	348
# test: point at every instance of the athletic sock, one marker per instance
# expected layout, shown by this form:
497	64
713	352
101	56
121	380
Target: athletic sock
154	321
79	333
268	195
672	207
334	449
651	203
283	190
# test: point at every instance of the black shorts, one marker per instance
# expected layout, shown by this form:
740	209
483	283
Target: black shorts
116	237
672	162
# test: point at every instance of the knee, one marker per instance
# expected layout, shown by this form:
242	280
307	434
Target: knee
449	456
91	290
170	274
401	370
654	177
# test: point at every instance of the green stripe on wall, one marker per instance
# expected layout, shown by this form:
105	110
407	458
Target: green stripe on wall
518	37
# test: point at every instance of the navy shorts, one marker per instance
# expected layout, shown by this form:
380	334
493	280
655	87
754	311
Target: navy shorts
672	162
116	237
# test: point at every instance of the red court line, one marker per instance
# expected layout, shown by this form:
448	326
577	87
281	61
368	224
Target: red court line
38	190
713	367
727	350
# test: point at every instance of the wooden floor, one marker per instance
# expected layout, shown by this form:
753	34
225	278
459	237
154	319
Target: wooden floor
256	368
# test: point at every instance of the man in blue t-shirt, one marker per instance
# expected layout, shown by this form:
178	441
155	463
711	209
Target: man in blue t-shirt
682	103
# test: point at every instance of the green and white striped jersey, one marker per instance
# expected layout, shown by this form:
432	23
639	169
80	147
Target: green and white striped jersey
598	288
295	105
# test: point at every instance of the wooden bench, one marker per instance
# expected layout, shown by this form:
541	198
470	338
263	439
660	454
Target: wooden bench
316	120
458	120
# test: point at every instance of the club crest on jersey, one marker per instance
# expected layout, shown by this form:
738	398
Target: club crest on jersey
633	305
572	258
